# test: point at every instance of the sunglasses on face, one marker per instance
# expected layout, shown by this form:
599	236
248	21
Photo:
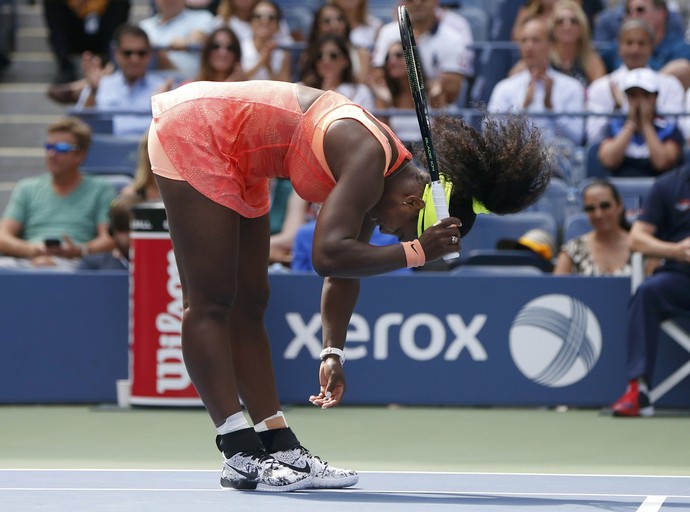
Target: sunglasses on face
571	20
61	147
332	19
603	206
139	53
330	55
640	9
264	16
229	47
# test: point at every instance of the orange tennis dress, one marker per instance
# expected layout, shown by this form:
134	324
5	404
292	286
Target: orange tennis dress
227	139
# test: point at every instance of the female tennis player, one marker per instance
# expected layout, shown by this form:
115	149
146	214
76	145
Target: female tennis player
213	148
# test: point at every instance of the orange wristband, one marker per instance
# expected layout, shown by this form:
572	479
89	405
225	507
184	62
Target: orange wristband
414	254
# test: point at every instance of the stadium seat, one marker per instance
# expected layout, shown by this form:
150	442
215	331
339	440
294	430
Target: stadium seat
489	229
299	18
593	167
489	270
558	200
507	258
492	61
576	225
479	21
110	154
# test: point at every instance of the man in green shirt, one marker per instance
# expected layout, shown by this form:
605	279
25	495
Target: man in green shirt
56	218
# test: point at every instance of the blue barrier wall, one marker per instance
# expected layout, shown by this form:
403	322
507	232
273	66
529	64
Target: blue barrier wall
420	339
63	336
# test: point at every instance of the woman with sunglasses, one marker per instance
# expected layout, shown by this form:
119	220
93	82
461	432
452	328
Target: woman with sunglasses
604	250
328	66
392	91
262	59
215	145
331	19
572	52
221	57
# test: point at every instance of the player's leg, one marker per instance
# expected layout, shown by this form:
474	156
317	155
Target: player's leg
206	242
254	368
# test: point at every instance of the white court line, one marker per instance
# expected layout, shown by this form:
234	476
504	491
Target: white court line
363	472
652	504
370	491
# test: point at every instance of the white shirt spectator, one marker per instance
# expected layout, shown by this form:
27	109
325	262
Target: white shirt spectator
243	29
180	27
444	50
250	57
364	36
359	93
600	100
567	95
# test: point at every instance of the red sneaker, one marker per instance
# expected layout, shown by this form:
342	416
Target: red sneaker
633	403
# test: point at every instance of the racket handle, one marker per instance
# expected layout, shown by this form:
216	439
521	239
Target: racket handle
438	195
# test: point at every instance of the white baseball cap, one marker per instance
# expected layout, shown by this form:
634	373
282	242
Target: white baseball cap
643	78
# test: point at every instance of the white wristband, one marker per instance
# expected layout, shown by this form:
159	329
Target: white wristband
333	351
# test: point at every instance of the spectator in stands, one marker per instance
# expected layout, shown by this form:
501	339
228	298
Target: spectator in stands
143	187
642	144
327	66
129	88
118	258
175	33
662	230
604	250
571	49
606	96
609	21
541	89
392	90
55	219
531	9
330	19
537	243
237	15
75	27
262	58
444	52
297	213
670	54
363	26
221	57
304	242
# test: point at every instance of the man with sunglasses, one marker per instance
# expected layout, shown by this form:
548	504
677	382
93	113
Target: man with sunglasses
129	88
662	230
56	218
443	41
671	52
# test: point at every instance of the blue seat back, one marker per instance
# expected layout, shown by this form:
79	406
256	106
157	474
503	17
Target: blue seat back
489	229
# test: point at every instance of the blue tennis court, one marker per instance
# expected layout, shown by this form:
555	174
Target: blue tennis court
172	491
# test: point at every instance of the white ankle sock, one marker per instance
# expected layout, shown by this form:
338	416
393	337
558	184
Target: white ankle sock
233	423
272	422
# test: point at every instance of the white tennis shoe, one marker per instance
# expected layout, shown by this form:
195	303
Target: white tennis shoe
257	470
323	475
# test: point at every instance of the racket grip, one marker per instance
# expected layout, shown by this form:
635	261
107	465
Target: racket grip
438	195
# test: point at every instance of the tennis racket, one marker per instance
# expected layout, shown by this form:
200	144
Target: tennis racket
416	80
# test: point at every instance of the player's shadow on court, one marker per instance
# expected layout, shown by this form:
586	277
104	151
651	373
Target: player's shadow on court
431	498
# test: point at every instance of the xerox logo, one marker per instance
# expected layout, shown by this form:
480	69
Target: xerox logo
421	336
555	340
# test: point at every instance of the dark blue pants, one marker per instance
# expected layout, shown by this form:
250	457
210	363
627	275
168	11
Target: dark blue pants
660	297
